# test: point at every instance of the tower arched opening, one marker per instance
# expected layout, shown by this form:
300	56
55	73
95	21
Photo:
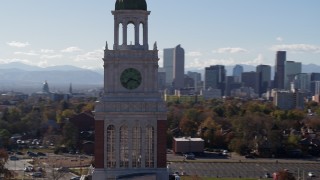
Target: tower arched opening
141	30
130	34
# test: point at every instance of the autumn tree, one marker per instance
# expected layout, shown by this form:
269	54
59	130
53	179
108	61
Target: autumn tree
4	172
285	175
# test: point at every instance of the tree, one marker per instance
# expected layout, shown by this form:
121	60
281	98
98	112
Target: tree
70	136
285	175
293	140
4	137
3	170
89	107
188	126
239	146
62	115
209	131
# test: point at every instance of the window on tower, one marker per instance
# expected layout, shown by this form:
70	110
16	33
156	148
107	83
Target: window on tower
149	151
124	147
130	34
111	160
136	147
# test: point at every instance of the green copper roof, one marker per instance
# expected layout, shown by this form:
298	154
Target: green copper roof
131	5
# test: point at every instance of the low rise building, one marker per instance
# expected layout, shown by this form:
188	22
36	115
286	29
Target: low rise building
188	145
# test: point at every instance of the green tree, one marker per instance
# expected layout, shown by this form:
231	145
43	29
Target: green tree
279	114
32	121
63	115
14	115
296	114
4	137
70	136
293	140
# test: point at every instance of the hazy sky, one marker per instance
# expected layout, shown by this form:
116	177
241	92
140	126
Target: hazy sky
228	32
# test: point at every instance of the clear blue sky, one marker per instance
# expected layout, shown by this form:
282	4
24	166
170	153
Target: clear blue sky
228	32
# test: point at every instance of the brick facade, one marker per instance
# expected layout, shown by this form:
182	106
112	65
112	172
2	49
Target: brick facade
162	144
99	144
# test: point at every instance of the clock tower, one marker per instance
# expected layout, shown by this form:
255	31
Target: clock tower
130	118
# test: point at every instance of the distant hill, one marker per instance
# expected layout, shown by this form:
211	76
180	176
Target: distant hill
19	74
25	67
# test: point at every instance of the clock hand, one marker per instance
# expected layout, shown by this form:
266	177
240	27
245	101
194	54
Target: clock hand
130	79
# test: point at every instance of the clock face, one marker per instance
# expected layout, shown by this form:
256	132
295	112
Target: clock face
130	78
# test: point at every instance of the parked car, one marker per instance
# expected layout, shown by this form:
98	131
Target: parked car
75	178
225	152
41	154
36	174
189	156
32	154
28	169
14	158
249	156
267	175
19	153
311	174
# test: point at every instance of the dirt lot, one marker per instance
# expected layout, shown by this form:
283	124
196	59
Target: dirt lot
69	161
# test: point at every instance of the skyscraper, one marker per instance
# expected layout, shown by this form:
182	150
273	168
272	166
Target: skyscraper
264	72
130	118
168	65
196	78
302	82
279	76
251	79
291	70
237	72
173	63
215	78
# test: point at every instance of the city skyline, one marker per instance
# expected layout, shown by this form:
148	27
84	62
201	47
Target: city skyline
212	33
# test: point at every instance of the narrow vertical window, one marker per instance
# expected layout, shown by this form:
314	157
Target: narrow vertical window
124	147
141	30
111	159
120	34
149	151
136	147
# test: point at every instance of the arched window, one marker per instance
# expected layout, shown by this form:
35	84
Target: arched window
136	147
130	34
120	33
111	151
124	147
141	29
149	148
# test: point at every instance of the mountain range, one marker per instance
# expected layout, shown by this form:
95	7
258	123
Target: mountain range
17	74
21	76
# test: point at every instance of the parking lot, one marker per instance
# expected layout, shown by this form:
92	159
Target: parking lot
245	169
50	164
236	166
